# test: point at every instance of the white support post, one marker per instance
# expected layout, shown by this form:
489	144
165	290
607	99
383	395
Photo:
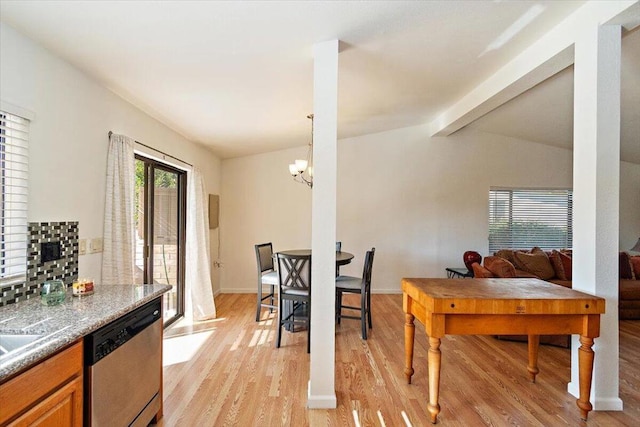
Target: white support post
323	234
596	189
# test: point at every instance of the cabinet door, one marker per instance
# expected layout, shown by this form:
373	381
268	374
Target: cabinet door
41	390
62	408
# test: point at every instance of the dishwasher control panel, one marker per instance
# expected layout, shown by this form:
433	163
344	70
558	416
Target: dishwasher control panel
107	339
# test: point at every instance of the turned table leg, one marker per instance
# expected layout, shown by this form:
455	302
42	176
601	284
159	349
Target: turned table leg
434	359
585	366
534	344
409	334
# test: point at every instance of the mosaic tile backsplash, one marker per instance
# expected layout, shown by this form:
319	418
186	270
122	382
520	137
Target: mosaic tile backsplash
63	263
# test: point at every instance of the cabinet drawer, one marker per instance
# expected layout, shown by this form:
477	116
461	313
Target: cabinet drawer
34	386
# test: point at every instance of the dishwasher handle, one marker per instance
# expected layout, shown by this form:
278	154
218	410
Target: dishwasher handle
140	324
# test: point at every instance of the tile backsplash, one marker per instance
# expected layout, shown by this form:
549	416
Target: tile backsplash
63	267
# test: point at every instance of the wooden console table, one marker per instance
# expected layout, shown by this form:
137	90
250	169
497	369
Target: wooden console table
499	306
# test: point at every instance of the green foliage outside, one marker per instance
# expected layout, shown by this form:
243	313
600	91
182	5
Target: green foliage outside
526	234
162	179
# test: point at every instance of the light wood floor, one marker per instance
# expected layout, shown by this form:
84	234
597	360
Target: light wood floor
227	373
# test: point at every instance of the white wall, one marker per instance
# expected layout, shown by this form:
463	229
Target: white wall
68	138
629	205
420	201
260	203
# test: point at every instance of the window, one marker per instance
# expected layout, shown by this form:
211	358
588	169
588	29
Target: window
523	218
14	162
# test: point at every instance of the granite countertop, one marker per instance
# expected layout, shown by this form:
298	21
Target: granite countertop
65	323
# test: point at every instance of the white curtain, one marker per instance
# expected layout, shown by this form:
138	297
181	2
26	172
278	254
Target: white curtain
119	246
199	301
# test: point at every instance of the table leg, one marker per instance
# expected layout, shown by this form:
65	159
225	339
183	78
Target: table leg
534	344
434	358
585	366
409	334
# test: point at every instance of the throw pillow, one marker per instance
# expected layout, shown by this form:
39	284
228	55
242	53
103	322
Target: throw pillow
500	267
479	272
567	265
635	262
506	254
537	264
556	262
625	267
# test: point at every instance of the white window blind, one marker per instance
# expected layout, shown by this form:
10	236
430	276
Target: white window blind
14	162
523	218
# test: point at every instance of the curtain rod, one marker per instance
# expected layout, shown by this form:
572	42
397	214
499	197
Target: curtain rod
156	150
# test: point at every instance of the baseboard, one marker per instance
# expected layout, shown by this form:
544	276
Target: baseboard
238	290
599	403
607	404
321	401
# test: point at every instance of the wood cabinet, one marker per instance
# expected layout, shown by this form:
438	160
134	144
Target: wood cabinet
48	394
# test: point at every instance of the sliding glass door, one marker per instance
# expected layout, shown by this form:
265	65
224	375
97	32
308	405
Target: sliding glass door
160	230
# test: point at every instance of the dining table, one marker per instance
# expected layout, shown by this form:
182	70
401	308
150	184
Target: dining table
342	258
499	306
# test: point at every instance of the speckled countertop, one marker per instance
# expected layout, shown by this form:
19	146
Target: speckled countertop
65	323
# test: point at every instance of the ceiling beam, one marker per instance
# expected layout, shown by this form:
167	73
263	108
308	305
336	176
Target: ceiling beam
544	58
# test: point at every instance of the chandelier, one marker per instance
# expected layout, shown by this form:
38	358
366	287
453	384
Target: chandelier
302	170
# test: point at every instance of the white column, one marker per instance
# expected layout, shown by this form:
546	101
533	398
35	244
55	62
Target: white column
596	186
323	234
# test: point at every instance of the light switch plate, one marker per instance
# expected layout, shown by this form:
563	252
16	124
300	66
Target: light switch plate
95	245
82	246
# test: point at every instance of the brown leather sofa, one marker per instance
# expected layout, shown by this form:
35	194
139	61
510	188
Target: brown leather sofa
555	267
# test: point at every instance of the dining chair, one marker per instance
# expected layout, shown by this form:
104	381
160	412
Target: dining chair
268	276
294	274
357	285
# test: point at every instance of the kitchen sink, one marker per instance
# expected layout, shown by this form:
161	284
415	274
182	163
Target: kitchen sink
11	342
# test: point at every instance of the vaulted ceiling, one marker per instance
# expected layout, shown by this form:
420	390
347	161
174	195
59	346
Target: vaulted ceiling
238	76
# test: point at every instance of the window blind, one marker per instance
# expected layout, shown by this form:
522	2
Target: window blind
14	163
523	218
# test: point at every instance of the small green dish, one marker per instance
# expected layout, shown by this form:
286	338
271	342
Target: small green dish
53	292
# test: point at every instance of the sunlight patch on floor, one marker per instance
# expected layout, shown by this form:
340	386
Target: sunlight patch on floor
381	418
236	343
406	419
182	348
355	418
261	337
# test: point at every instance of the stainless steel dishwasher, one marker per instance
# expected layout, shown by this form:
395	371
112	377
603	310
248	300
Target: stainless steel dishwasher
123	363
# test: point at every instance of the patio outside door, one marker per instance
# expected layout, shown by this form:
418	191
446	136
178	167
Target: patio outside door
160	231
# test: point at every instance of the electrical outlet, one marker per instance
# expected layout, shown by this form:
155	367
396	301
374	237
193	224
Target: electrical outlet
95	245
82	246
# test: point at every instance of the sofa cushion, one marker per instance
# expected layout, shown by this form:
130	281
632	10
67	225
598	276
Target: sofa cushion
479	272
625	267
629	290
535	263
525	274
500	267
567	265
629	313
635	263
565	283
556	262
506	254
